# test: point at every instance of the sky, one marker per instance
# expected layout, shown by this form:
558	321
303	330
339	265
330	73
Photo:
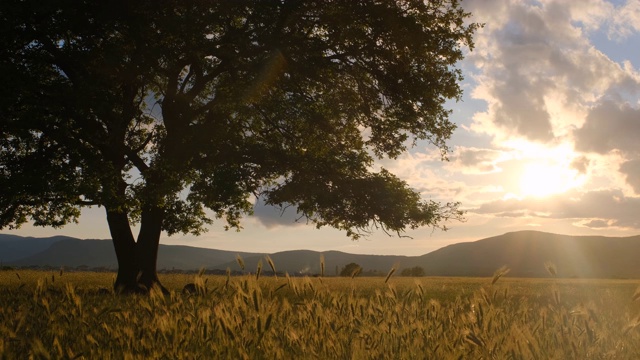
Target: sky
548	139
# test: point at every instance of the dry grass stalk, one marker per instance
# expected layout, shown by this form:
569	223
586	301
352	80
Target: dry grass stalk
551	268
504	270
356	271
393	269
259	269
556	295
240	261
271	265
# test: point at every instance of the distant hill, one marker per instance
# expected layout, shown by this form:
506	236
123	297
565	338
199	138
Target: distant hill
524	252
13	247
72	252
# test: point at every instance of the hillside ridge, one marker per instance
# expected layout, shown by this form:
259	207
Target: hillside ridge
525	252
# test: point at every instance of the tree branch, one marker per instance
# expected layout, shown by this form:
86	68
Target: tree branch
203	80
143	145
136	160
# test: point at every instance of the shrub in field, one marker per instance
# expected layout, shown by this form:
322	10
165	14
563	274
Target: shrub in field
351	270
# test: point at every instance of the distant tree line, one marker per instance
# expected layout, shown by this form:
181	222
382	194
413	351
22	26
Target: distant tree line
415	271
354	269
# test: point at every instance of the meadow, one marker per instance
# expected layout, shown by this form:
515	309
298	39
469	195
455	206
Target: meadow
52	315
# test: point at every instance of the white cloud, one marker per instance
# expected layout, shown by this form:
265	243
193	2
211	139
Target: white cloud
273	217
611	130
610	126
471	160
626	20
581	164
594	209
631	171
538	72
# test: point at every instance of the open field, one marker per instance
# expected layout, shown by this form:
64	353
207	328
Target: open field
67	315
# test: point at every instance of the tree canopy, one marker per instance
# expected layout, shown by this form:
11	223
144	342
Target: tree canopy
351	270
173	113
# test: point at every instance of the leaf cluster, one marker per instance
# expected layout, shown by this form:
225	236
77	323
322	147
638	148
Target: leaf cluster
198	107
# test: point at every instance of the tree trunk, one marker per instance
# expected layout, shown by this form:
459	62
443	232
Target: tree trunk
136	261
147	247
125	247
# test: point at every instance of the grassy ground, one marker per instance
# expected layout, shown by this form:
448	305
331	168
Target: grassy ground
69	315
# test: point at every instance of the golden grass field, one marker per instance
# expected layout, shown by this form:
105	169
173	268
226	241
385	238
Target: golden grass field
67	315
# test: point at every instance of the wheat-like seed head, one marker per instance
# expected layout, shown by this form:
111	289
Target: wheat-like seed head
356	271
228	279
240	261
551	268
499	273
393	269
259	269
271	265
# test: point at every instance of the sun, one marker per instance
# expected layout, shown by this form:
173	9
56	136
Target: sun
545	170
545	178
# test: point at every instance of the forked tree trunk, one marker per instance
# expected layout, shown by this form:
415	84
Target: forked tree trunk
136	261
147	247
125	247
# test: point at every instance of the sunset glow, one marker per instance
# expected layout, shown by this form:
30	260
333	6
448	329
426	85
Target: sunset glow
546	136
545	170
543	179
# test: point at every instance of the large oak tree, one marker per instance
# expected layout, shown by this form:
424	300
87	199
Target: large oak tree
173	113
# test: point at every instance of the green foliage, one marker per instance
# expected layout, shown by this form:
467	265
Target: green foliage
415	271
162	110
66	315
351	270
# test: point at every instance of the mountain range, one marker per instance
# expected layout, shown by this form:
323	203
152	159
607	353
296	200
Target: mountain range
524	252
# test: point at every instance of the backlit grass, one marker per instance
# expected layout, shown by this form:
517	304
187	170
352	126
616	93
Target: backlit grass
72	315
